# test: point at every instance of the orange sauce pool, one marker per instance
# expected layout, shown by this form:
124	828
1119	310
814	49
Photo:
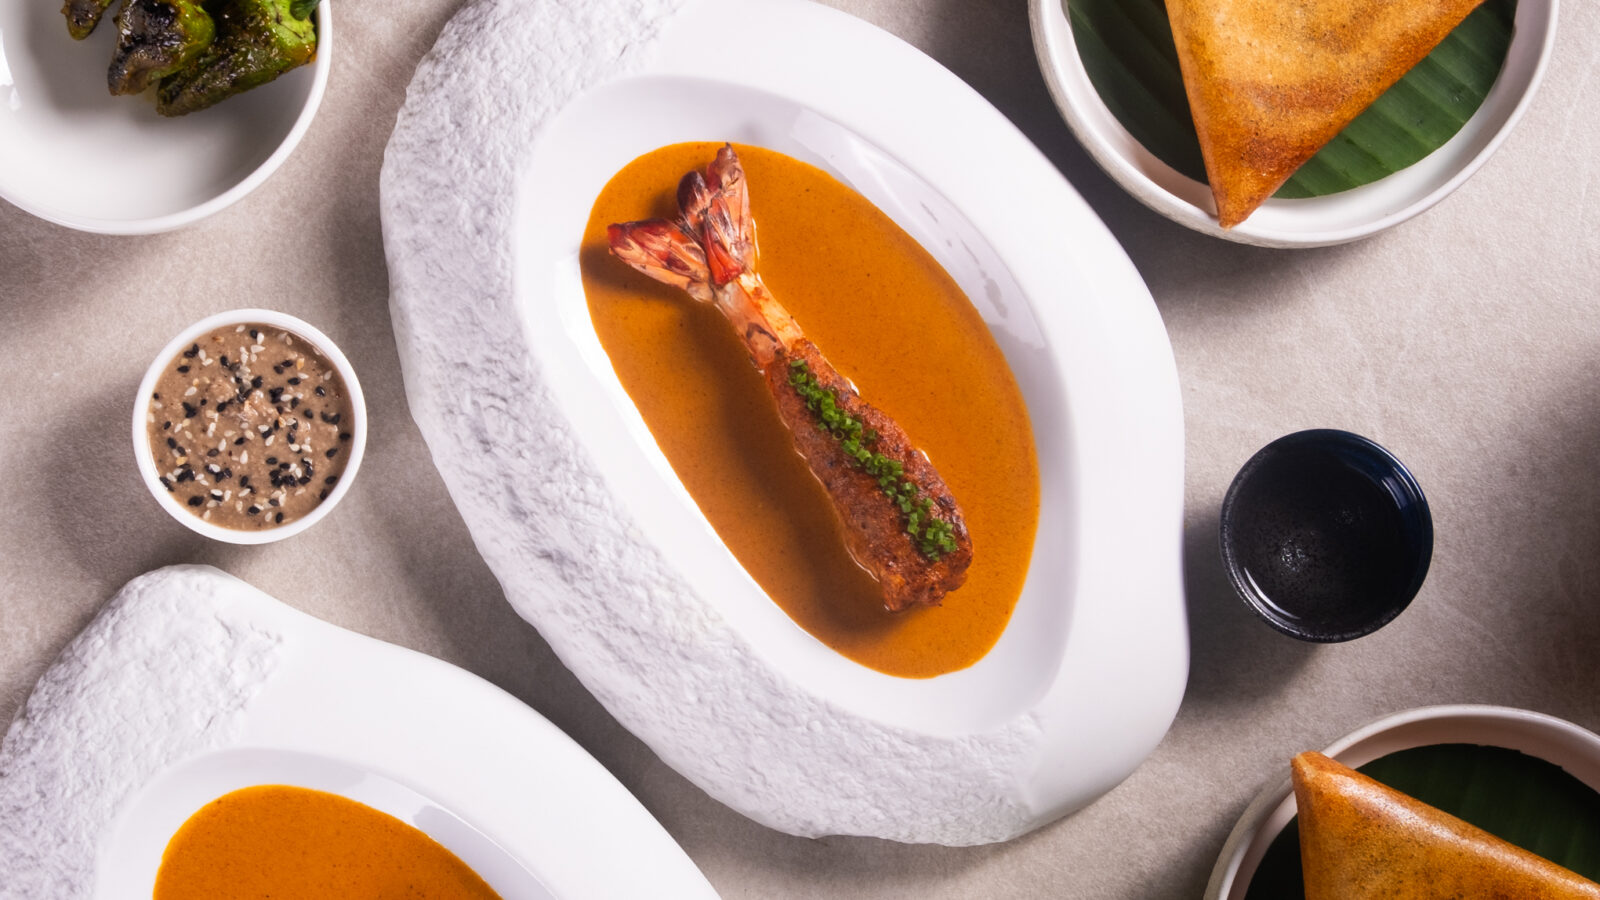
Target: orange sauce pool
281	841
889	318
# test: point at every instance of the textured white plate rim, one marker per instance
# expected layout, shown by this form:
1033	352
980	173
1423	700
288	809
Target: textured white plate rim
321	66
1315	222
354	452
1570	746
424	726
914	777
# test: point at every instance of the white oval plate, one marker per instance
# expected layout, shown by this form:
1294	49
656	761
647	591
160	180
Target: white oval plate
73	154
1313	222
1554	740
598	544
191	684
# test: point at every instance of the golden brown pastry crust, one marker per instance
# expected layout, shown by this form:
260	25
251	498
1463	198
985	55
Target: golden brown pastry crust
1363	840
1271	81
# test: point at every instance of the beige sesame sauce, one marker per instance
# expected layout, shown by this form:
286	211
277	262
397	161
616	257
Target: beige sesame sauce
249	427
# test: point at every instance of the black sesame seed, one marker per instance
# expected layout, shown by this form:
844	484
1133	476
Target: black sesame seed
224	362
226	473
166	426
344	435
166	484
331	479
238	440
274	502
155	396
190	412
244	481
203	401
305	480
278	517
254	510
272	460
295	380
321	392
287	362
255	382
183	370
278	369
196	501
330	420
332	452
194	350
172	443
322	494
294	403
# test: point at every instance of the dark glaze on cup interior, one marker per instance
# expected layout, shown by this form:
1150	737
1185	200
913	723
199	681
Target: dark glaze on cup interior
1326	535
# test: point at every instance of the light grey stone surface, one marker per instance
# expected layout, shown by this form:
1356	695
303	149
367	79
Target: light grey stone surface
1467	341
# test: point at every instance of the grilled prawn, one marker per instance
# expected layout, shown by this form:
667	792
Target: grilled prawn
901	523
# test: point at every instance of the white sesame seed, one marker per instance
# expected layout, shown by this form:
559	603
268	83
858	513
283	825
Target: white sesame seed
157	404
244	457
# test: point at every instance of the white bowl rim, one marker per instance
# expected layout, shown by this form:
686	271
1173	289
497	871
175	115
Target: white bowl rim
299	328
1355	749
1108	142
321	66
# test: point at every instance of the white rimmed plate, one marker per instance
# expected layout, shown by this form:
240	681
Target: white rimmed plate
1554	740
597	543
191	684
73	154
1314	222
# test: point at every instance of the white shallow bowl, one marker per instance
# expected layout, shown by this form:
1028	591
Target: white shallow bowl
1553	740
191	684
354	451
1313	222
72	153
596	541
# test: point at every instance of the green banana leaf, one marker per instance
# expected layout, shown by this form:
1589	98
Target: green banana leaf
1519	798
1126	48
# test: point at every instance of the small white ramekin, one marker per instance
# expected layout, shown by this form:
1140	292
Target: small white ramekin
141	439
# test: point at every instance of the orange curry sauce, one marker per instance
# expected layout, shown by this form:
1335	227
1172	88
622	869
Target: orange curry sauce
889	318
280	841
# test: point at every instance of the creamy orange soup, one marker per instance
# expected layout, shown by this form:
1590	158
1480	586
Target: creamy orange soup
290	842
889	318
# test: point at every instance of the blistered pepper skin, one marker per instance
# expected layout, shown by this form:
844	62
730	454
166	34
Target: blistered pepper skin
256	41
154	39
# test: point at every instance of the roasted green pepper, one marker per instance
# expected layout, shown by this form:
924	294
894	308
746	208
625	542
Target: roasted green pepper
156	38
84	15
257	40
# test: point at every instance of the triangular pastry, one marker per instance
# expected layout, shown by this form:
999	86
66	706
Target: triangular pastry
1362	840
1271	81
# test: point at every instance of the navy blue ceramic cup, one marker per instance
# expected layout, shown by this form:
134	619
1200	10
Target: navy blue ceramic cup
1326	535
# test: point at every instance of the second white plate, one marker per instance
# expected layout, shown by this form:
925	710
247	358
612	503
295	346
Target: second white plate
596	542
